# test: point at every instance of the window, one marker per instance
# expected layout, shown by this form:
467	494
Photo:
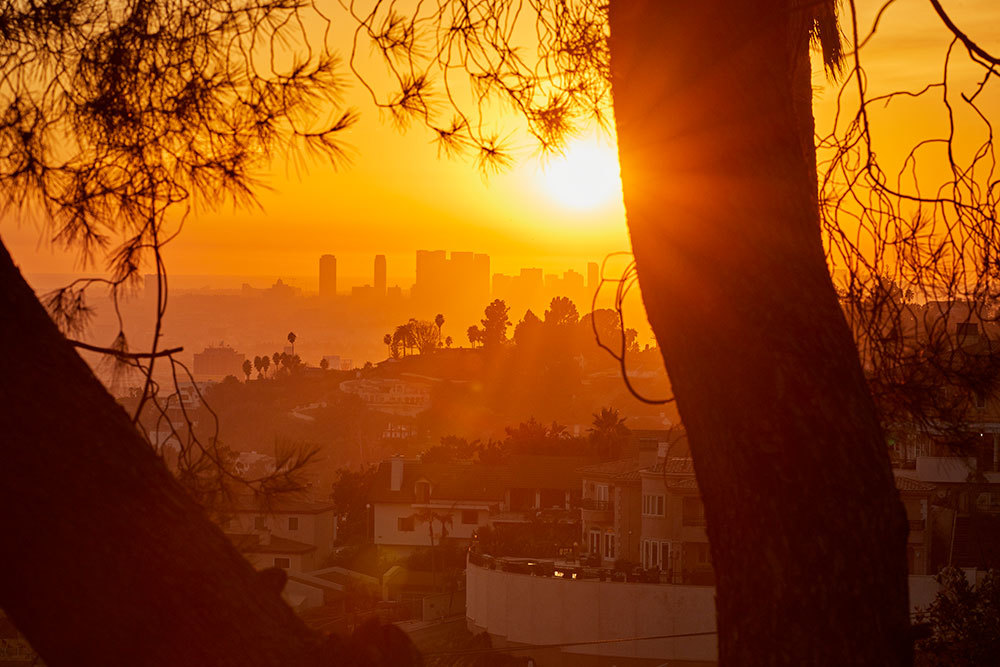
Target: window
651	554
595	542
652	505
609	545
293	523
259	522
470	517
969	330
422	490
283	563
404	524
602	492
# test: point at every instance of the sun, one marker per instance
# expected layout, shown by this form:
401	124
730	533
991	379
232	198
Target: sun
585	177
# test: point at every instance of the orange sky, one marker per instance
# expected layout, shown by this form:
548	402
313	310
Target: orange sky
397	195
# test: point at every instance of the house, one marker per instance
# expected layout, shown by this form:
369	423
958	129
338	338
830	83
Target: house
411	499
290	533
674	540
611	504
391	395
610	510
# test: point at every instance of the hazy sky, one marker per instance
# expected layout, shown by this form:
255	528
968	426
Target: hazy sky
397	195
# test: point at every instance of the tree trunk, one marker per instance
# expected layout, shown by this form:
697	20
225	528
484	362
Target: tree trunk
715	133
104	558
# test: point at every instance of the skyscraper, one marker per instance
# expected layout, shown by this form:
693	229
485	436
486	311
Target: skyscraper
328	276
380	275
593	275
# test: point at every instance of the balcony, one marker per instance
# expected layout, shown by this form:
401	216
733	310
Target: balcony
597	511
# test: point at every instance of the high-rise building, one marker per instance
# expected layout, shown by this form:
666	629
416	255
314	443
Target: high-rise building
328	276
481	284
380	275
462	278
593	275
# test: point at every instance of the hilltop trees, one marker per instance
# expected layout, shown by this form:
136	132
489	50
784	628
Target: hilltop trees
495	324
561	312
474	334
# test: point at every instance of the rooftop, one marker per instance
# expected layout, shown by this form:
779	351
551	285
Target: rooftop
279	505
620	470
250	543
463	480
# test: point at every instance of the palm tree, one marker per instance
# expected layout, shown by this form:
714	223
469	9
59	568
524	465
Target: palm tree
257	365
247	367
265	363
475	334
608	432
429	516
448	341
276	357
439	321
387	340
291	339
324	363
401	337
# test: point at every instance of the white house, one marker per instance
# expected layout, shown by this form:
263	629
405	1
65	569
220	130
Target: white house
295	534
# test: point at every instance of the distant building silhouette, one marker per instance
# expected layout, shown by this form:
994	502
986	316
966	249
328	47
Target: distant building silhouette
280	290
462	278
218	362
593	275
380	275
328	276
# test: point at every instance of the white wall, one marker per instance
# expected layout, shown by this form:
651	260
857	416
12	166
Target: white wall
386	523
528	609
539	610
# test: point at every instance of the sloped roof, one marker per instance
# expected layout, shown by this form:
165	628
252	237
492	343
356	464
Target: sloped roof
904	483
621	470
278	505
449	481
675	466
477	481
544	472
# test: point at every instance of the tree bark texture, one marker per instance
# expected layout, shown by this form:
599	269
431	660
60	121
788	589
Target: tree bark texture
104	559
715	132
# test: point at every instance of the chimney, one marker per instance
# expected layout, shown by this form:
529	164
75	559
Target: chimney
396	473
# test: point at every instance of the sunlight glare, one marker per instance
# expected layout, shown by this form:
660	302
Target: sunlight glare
585	177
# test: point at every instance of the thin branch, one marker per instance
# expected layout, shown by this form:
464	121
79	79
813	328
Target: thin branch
124	355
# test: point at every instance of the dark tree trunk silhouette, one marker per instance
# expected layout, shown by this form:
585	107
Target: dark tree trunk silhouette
715	133
105	559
